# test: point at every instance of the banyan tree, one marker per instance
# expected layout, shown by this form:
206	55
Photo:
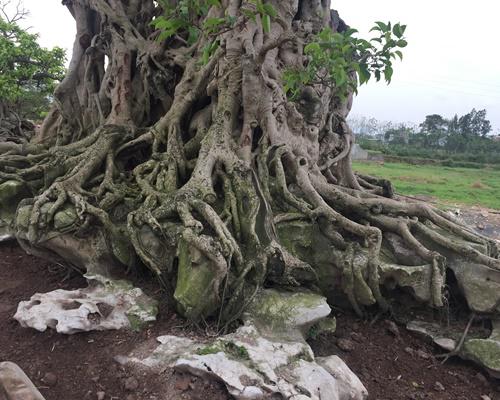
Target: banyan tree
207	142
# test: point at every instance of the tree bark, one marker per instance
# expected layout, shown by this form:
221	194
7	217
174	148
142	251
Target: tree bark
184	167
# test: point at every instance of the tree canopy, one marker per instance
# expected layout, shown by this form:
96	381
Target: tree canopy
28	72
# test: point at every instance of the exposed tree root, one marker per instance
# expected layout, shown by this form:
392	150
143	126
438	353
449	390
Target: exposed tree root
157	149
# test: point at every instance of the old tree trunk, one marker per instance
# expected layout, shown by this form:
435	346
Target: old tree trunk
208	175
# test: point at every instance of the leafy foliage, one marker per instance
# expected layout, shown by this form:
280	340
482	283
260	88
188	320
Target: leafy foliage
339	60
343	61
186	18
28	72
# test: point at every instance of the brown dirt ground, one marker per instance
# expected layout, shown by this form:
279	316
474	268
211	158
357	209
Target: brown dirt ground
391	367
83	363
395	365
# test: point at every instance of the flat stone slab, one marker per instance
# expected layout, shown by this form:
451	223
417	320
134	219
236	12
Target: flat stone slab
15	384
268	355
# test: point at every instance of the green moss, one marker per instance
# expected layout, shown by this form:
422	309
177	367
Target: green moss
303	355
208	350
305	241
231	349
194	290
238	352
123	250
136	323
65	218
325	326
274	310
484	351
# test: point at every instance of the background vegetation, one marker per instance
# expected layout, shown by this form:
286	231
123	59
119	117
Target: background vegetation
464	141
454	185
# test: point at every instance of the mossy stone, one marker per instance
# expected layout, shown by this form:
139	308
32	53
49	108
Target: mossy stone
194	291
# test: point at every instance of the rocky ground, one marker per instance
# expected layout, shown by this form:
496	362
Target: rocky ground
390	362
393	364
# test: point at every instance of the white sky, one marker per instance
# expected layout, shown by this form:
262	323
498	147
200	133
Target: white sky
451	65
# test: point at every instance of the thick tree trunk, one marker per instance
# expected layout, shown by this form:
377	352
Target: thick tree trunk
210	176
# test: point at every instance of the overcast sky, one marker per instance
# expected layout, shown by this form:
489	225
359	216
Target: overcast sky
452	63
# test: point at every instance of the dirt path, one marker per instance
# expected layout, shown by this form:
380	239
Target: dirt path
78	367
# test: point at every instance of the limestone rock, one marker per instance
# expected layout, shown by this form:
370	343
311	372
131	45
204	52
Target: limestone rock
347	381
415	278
11	193
286	313
480	285
433	333
104	304
15	385
267	355
194	291
485	352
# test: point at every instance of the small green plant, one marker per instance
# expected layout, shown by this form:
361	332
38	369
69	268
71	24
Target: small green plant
313	332
236	351
343	61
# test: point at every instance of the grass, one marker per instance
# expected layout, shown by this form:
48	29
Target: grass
452	185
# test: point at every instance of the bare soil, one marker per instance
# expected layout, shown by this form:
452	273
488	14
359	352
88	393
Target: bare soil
80	366
393	364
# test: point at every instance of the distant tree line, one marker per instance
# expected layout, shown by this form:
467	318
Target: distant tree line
466	138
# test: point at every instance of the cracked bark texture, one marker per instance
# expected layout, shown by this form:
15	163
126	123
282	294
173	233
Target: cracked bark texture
206	170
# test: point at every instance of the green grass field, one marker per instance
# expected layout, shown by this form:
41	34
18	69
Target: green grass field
451	185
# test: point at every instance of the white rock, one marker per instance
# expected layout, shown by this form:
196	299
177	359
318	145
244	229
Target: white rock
446	344
15	384
256	361
219	366
251	393
348	383
104	304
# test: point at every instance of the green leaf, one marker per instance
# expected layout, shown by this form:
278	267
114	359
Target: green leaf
364	74
383	27
215	3
312	48
397	31
248	13
194	34
266	23
269	10
402	43
388	72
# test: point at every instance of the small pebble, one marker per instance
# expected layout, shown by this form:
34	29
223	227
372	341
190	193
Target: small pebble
345	345
131	384
101	395
50	379
438	387
423	354
392	328
481	378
